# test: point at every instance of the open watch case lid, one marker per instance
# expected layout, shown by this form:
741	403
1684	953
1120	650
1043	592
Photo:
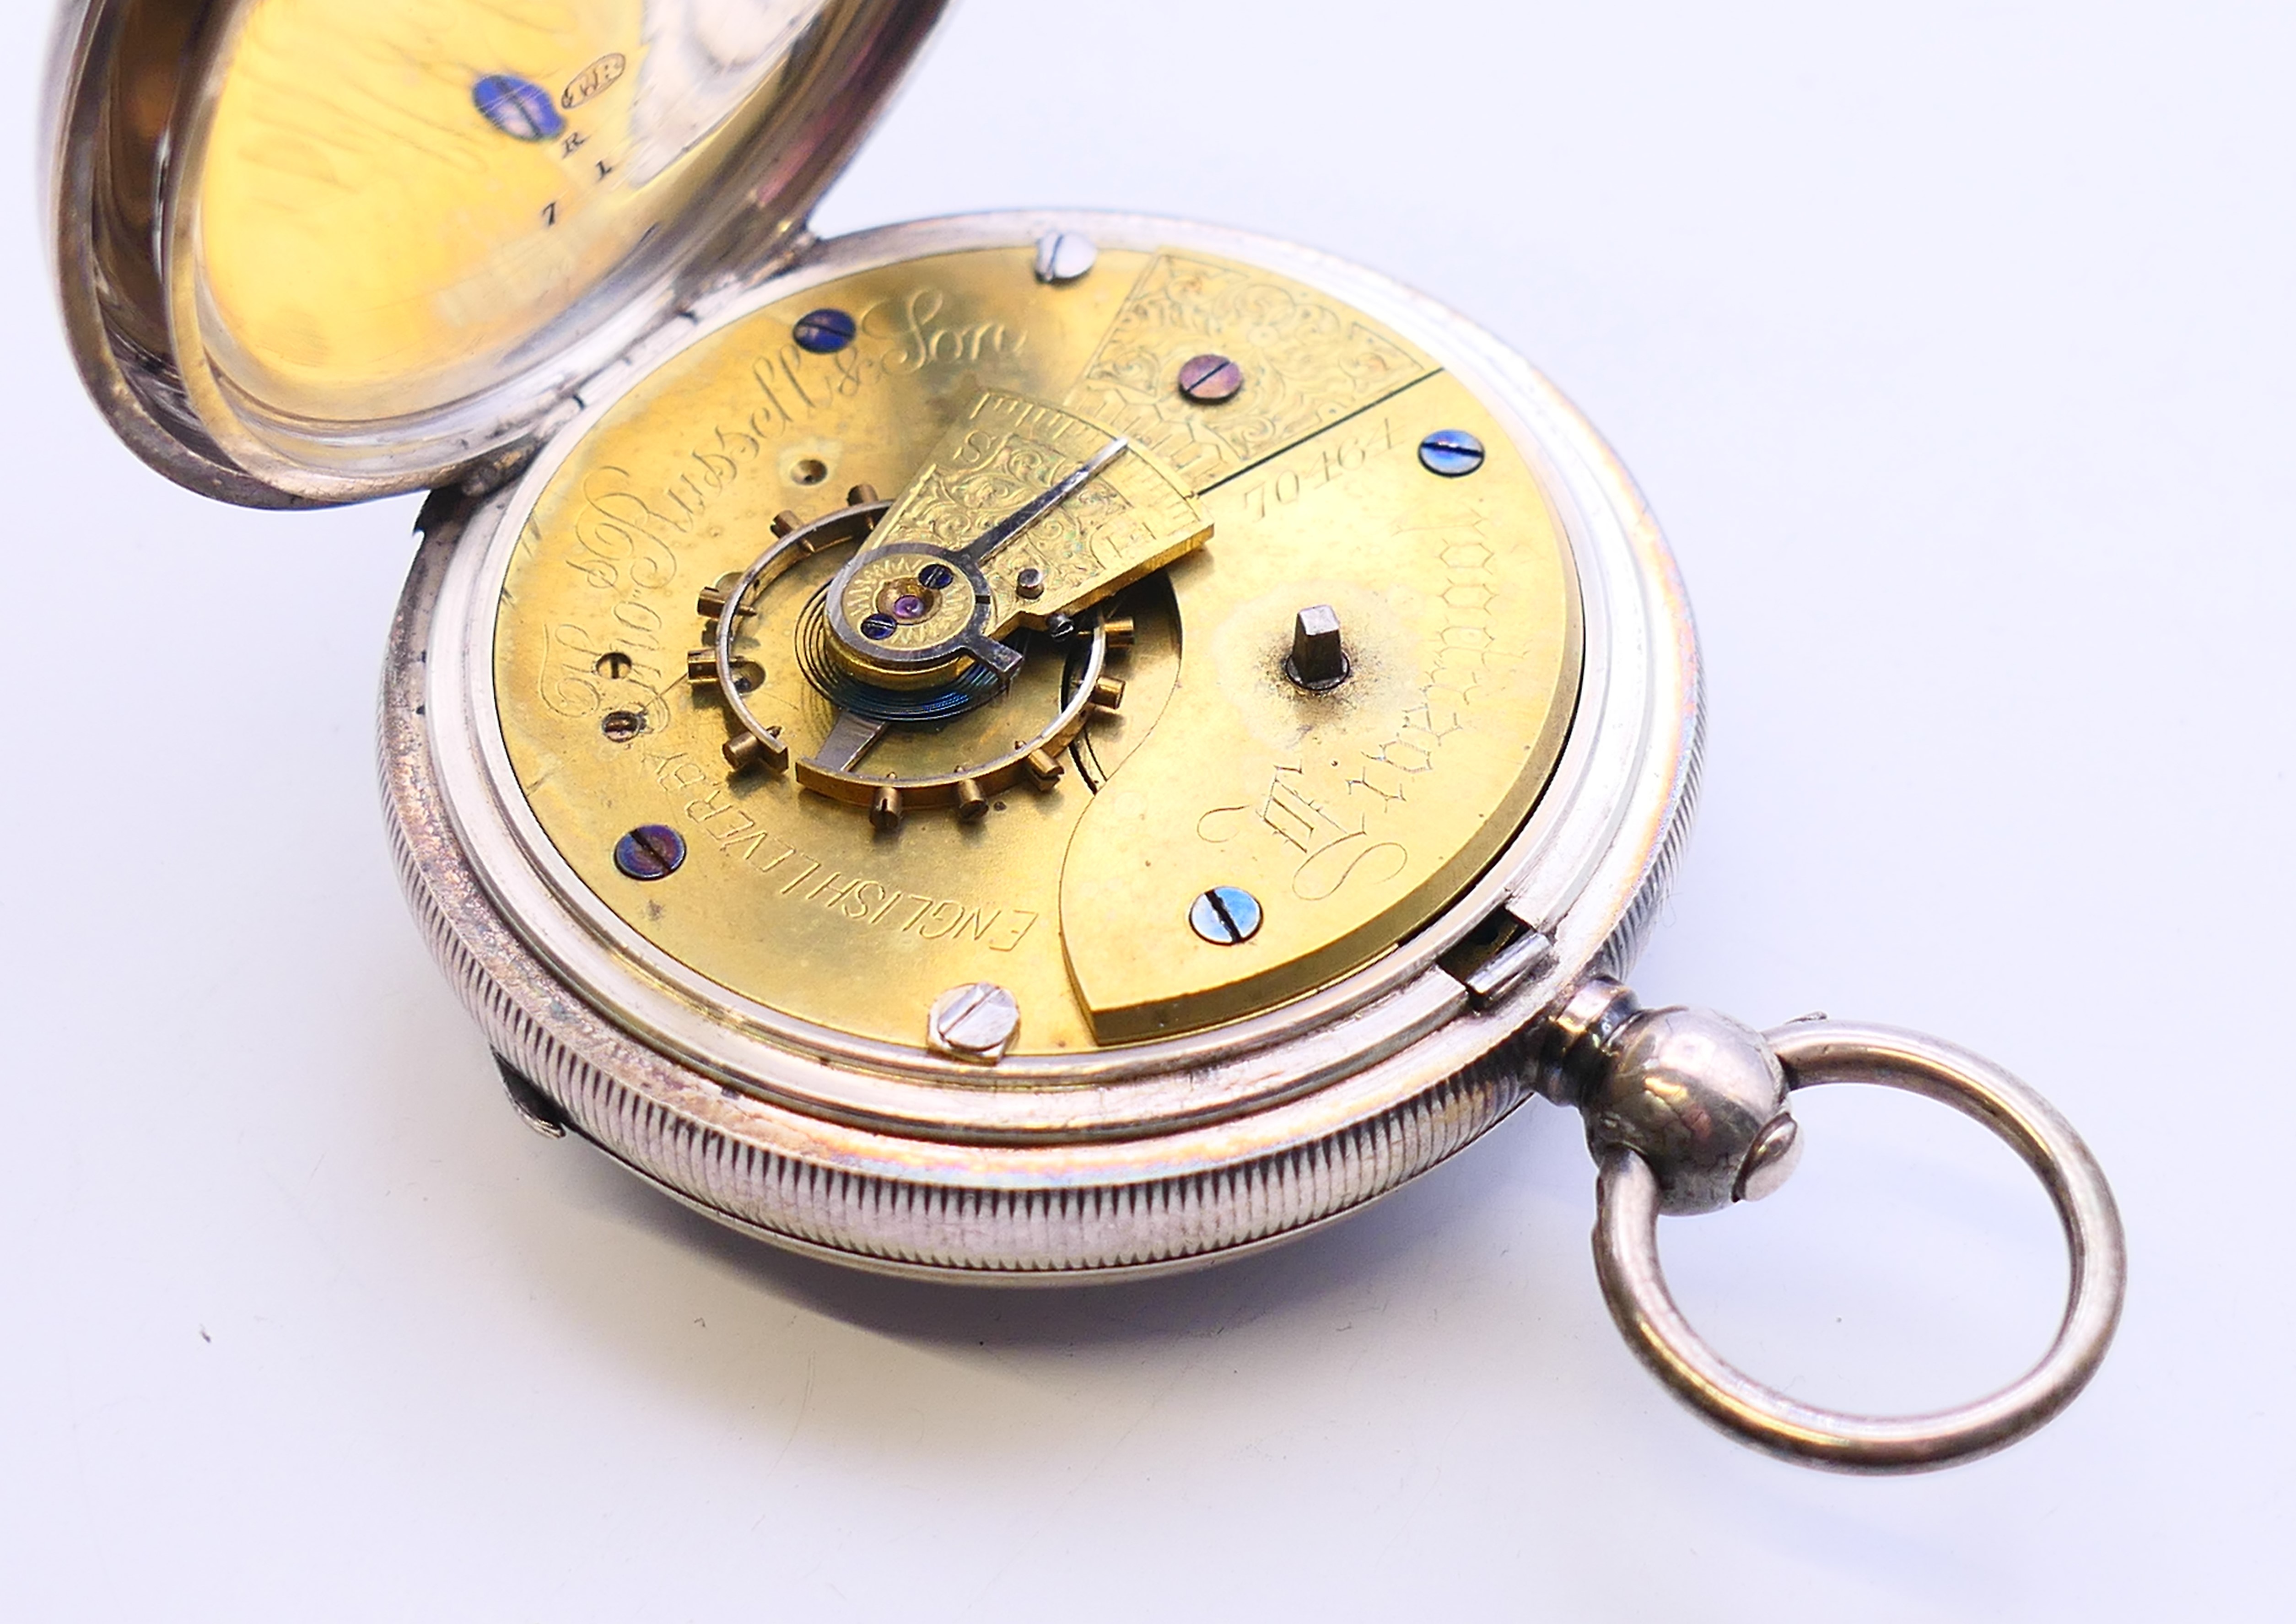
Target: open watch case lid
314	251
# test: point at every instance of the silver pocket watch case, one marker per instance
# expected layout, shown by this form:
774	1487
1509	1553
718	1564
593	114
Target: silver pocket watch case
1019	748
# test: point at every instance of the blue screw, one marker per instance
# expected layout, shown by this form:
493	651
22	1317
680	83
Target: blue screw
650	851
1451	452
824	333
878	628
1225	915
519	108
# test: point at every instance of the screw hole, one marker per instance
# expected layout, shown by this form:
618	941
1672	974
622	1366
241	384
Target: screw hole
622	725
748	675
614	666
809	470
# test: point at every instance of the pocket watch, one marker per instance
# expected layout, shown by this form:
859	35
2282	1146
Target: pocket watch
1026	747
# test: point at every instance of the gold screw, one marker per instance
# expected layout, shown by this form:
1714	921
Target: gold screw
711	604
746	750
1044	770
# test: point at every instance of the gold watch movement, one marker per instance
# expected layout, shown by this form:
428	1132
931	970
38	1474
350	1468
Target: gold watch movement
947	638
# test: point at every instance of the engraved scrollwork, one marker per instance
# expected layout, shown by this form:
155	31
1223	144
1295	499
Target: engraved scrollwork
1010	450
1307	363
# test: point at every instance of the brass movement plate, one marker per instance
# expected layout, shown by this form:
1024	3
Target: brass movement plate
1354	815
1134	519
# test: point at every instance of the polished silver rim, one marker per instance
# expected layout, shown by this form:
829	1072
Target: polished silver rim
1627	1197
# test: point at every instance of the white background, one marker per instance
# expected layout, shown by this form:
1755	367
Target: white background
1951	342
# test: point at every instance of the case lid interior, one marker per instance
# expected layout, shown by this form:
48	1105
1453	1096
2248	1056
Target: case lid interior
317	250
